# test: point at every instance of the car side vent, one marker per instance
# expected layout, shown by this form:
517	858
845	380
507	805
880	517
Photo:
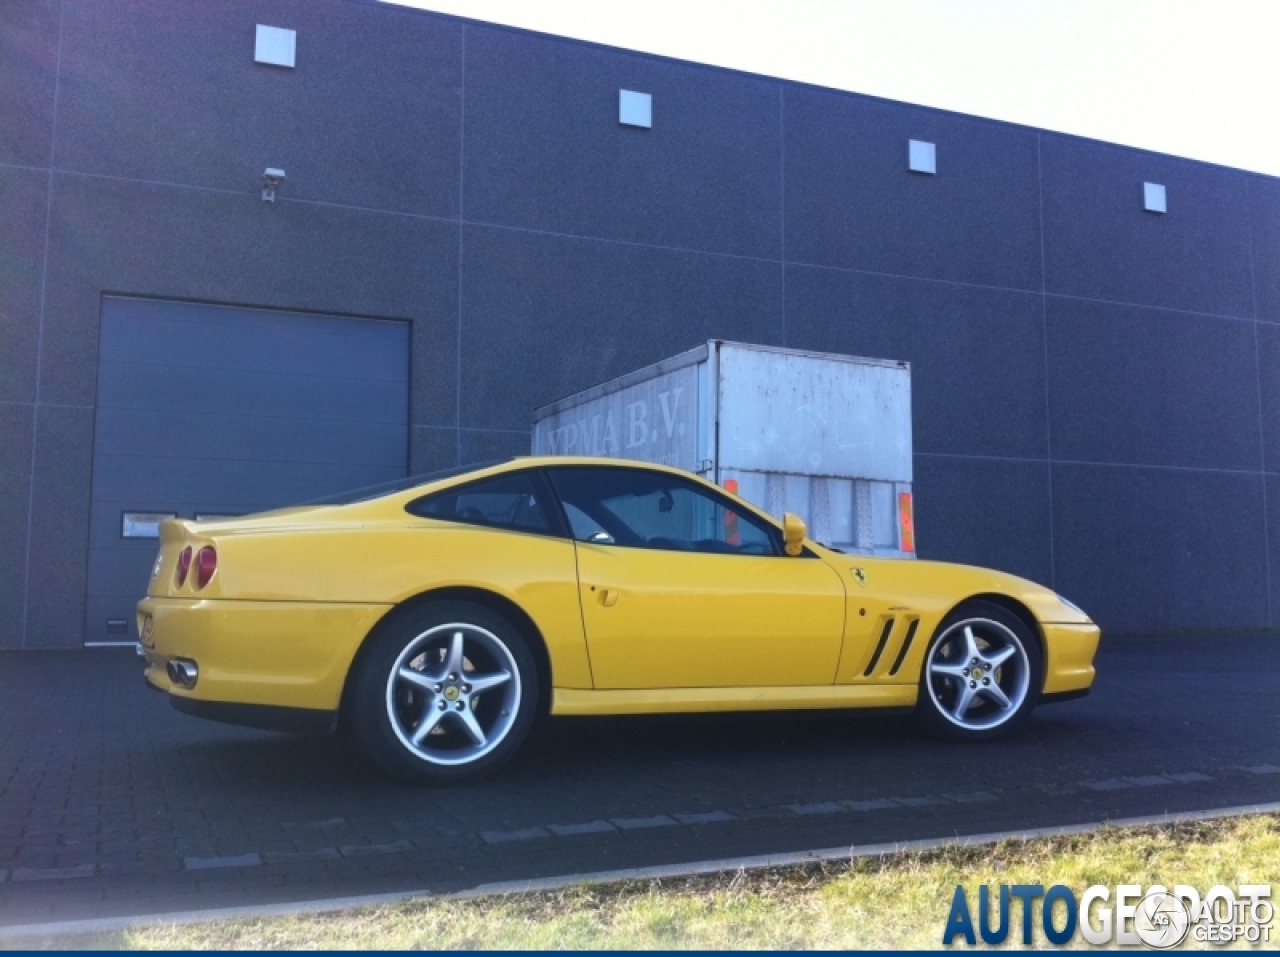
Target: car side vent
884	640
906	646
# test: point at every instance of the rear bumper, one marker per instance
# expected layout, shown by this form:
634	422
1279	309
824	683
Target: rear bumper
292	655
1069	662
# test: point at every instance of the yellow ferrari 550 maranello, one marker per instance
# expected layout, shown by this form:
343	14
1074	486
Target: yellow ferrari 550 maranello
437	618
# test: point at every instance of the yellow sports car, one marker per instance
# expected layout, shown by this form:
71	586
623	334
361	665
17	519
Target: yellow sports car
437	618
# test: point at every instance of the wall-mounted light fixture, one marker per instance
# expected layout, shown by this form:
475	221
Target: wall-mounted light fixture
272	180
1153	198
922	157
635	109
275	46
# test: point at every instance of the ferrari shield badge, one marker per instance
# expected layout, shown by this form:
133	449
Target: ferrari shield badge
860	576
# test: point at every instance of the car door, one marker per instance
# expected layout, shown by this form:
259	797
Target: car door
509	538
680	588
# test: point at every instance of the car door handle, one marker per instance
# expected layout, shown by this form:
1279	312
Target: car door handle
607	596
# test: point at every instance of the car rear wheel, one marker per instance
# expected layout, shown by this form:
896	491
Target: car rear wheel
445	694
982	674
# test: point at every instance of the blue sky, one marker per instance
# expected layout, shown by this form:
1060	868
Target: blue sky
1197	78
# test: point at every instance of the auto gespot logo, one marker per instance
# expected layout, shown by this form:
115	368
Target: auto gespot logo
1127	914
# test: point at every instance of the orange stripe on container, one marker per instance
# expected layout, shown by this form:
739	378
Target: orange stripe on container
731	532
906	522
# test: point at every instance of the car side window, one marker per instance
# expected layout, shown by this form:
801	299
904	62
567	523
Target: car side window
507	501
642	509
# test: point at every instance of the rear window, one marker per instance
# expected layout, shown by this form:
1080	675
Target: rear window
504	501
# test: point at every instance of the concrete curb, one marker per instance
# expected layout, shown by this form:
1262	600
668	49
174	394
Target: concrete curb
73	928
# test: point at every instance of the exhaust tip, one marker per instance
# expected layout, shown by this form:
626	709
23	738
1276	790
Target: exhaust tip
183	671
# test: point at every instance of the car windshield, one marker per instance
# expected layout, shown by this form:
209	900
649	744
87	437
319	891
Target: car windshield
369	492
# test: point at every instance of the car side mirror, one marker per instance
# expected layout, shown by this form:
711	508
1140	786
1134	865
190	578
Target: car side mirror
793	533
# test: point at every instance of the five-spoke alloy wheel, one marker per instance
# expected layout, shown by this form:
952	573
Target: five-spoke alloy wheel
982	673
445	694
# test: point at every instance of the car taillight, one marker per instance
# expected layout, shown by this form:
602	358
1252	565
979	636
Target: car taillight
206	565
184	565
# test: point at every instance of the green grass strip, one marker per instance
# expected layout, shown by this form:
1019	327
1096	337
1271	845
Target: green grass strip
898	900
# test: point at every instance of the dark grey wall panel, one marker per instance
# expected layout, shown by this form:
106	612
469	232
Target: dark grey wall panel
1264	212
1273	543
851	201
24	196
1161	549
153	479
434	356
432	448
164	242
977	355
1268	370
984	512
1100	242
28	59
548	316
370	115
544	148
486	446
16	424
1151	387
59	527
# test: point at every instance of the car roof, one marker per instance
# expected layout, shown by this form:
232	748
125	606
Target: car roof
546	460
525	462
413	486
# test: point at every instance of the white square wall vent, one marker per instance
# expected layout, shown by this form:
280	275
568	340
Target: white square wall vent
635	109
1153	199
275	46
922	157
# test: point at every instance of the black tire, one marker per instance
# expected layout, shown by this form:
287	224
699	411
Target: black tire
990	628
387	716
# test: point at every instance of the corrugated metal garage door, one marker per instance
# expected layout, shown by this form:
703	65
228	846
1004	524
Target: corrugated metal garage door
212	410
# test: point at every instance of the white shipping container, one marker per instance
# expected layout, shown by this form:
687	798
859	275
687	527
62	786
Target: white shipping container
825	436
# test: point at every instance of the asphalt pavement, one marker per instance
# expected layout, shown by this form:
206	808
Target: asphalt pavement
113	804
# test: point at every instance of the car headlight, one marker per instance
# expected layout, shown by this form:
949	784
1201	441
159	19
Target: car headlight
1073	606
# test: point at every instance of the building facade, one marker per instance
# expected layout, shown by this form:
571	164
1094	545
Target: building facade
466	231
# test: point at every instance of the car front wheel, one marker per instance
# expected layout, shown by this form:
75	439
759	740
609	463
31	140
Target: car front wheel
982	674
445	694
